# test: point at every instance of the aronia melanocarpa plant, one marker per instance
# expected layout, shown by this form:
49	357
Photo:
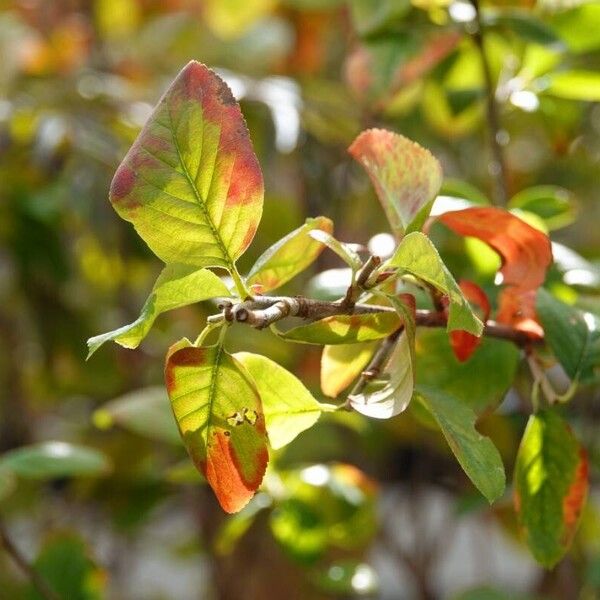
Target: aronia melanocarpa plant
192	187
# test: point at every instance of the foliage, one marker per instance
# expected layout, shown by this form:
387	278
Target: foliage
458	317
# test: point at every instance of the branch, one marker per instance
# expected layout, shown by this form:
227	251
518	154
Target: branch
38	582
262	311
498	164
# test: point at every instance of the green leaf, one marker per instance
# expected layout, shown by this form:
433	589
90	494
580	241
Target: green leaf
289	407
344	329
393	397
51	460
406	177
344	251
191	184
418	256
146	412
480	383
573	336
176	286
220	418
524	24
342	364
551	484
476	454
553	204
289	256
65	564
574	85
578	27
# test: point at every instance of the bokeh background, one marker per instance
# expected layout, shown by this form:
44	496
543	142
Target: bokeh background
353	507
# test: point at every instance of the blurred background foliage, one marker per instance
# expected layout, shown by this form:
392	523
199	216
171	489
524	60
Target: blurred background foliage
95	488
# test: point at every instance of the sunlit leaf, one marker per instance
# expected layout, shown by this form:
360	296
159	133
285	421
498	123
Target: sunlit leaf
476	454
479	383
176	286
342	364
344	251
553	204
525	251
288	406
191	184
464	343
344	329
550	486
289	256
573	336
50	460
406	177
231	18
516	307
146	412
220	418
574	85
418	256
579	26
393	397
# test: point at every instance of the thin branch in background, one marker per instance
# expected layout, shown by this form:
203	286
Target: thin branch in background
498	168
40	584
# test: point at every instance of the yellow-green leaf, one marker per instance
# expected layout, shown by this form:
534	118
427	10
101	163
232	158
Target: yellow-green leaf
191	184
220	419
344	329
289	256
288	406
342	364
176	286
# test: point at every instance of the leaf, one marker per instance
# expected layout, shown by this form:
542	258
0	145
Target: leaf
342	364
418	256
191	184
573	336
220	419
550	486
289	407
344	329
476	454
494	363
406	177
574	85
65	565
464	343
146	412
176	286
394	396
516	307
553	204
289	256
525	251
344	251
51	460
524	25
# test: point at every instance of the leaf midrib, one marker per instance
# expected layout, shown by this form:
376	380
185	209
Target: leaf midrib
199	200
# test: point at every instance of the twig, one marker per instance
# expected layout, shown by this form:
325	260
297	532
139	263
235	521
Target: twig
262	311
360	285
498	164
376	365
40	584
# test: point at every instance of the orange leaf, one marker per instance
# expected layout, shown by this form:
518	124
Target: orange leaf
526	252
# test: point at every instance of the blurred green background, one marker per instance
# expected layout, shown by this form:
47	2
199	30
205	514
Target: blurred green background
353	507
